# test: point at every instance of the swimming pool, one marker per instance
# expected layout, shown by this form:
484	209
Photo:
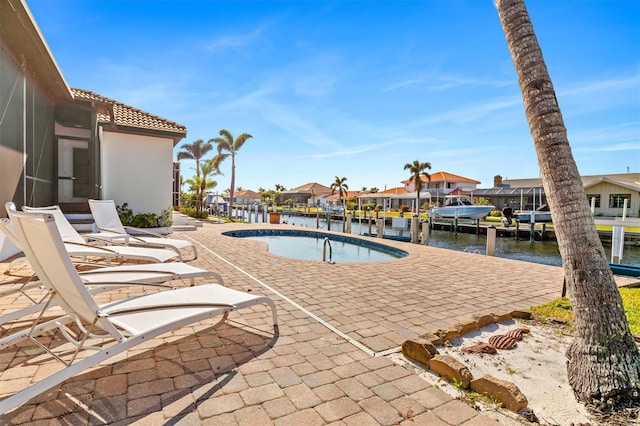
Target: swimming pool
309	245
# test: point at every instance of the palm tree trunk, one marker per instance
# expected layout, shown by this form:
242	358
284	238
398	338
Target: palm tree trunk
603	359
344	216
233	184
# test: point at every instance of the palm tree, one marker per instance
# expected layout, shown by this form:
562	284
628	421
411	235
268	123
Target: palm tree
201	184
228	147
417	170
341	188
374	190
603	360
279	189
195	151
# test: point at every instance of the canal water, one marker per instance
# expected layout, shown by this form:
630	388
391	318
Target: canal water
545	252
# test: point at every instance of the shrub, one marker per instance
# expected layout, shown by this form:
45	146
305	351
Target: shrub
367	207
495	213
144	220
403	208
482	201
193	212
166	217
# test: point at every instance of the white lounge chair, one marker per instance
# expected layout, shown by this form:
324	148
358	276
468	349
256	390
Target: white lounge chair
101	278
112	328
105	216
76	245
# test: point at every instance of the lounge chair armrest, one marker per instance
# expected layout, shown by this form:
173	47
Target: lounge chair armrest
160	307
144	231
99	270
100	248
129	284
117	240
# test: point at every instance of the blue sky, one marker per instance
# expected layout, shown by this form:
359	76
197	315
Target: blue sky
357	89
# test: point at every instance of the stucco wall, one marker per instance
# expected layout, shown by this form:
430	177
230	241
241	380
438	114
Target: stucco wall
137	170
605	189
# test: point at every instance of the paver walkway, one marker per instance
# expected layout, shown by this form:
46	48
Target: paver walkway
325	366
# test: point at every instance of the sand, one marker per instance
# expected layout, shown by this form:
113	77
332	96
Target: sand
537	365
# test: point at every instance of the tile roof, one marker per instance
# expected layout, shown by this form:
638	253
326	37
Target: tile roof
349	194
393	191
247	193
386	193
309	188
127	116
445	177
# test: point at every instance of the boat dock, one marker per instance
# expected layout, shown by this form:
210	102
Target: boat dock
518	230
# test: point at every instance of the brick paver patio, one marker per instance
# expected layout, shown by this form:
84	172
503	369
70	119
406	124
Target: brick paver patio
326	364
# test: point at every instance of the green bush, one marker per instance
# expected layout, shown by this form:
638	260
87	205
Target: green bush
144	220
495	213
193	212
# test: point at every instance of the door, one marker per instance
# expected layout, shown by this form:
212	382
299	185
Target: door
73	171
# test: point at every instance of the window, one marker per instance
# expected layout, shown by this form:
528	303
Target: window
616	201
597	197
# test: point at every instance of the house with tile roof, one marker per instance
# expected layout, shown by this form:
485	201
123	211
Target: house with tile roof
333	200
440	185
62	146
307	194
444	181
246	197
387	199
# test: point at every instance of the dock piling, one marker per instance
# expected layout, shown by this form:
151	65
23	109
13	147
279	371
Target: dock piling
414	229
425	232
491	240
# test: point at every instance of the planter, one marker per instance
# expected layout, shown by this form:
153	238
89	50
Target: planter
274	217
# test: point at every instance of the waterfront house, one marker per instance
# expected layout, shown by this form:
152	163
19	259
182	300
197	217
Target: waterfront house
333	200
441	184
607	192
246	197
309	194
443	181
387	200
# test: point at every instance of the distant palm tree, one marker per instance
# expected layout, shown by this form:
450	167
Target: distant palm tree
278	189
195	151
340	186
201	184
228	147
417	170
374	190
364	189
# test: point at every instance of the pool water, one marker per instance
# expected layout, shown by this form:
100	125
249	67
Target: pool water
308	245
